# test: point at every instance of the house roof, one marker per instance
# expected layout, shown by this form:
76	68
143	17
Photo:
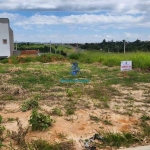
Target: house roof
29	52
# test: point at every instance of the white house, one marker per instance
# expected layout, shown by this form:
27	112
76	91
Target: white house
6	38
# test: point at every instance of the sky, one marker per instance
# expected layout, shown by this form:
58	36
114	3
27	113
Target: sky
77	21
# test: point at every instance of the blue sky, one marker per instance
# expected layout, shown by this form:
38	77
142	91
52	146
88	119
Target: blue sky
78	20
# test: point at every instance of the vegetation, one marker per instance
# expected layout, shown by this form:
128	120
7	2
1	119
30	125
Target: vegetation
139	59
44	145
30	104
120	139
2	129
117	46
109	91
40	121
57	111
44	48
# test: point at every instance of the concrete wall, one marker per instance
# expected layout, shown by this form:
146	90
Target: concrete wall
11	41
6	49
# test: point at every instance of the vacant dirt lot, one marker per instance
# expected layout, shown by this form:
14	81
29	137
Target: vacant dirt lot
93	112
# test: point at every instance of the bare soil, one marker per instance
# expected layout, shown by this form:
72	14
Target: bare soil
79	126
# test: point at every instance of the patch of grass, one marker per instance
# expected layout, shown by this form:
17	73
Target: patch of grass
69	93
107	122
8	97
70	111
57	111
61	135
4	61
119	139
40	121
38	97
44	145
11	119
29	80
146	128
95	118
30	104
145	118
2	129
70	108
104	105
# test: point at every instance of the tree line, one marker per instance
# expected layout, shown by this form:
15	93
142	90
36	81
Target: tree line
116	46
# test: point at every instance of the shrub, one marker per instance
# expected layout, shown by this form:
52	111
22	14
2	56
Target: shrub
40	121
25	59
145	118
75	56
44	145
2	128
13	60
29	105
45	58
119	139
57	111
70	111
4	61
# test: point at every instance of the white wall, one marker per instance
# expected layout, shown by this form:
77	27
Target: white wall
11	41
4	34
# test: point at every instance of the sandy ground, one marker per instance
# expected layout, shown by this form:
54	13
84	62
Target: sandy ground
79	126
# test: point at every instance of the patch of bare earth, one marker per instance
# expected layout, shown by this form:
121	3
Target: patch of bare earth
80	126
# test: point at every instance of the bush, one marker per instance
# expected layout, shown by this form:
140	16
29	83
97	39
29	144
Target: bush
45	58
13	60
2	128
44	145
120	139
26	59
4	61
40	121
29	105
57	111
75	56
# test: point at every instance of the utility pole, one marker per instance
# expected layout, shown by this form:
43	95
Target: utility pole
124	46
50	47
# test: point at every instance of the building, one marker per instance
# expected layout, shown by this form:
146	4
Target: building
6	38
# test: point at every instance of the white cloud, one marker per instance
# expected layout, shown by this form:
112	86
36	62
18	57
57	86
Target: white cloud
112	6
92	17
116	21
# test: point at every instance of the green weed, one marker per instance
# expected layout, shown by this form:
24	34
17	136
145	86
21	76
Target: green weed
70	111
2	129
30	104
40	121
11	119
95	118
119	139
44	145
145	118
62	135
70	108
57	111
